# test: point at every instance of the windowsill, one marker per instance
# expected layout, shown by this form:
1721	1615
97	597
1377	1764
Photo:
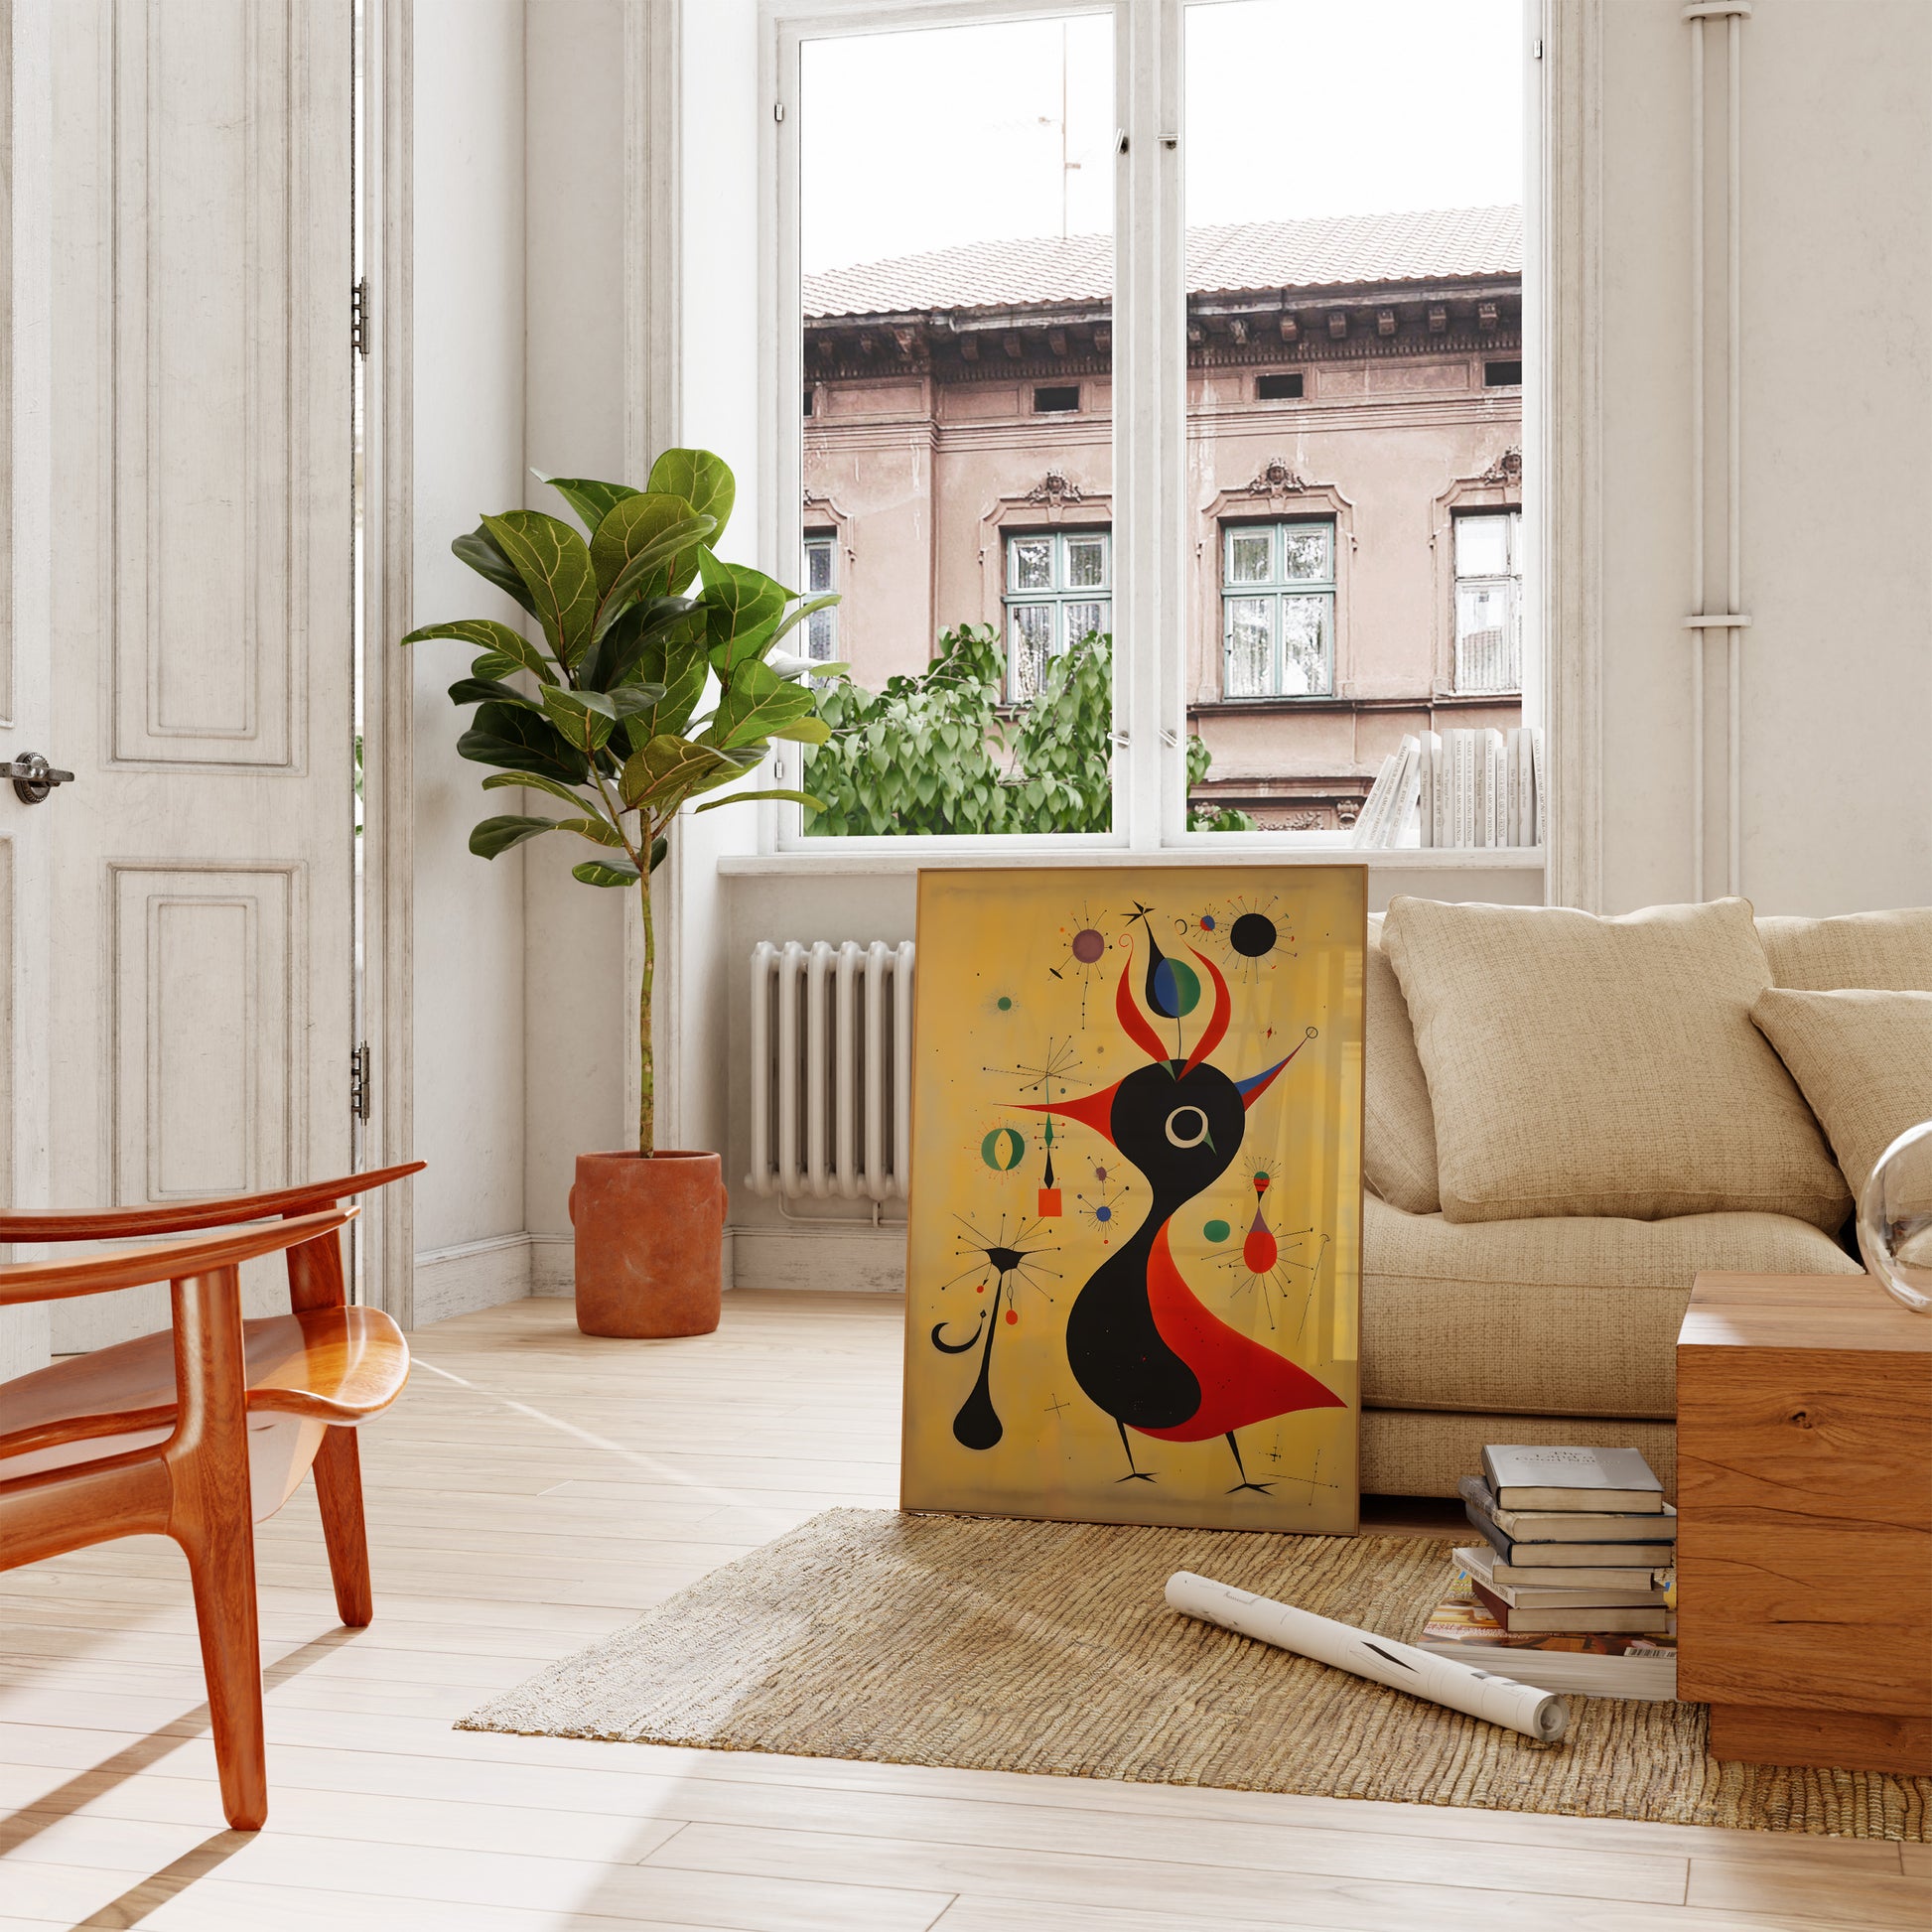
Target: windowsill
851	858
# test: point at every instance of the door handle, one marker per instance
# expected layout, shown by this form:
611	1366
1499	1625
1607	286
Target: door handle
32	776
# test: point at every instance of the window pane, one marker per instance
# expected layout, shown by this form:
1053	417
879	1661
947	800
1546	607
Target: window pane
1086	563
1085	620
1481	546
1488	655
1029	562
821	637
1251	648
1308	553
1031	645
1250	556
1353	188
1304	645
956	248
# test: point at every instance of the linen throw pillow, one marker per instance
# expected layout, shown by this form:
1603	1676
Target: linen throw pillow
1585	1066
1855	949
1398	1128
1864	1061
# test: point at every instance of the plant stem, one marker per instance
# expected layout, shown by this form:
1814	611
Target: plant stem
646	1077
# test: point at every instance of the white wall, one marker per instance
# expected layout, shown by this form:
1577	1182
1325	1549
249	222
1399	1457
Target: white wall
469	984
1836	427
573	396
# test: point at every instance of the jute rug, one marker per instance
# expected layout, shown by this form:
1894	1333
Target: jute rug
1046	1647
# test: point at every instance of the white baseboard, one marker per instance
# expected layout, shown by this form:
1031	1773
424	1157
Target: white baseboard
476	1275
872	1260
553	1264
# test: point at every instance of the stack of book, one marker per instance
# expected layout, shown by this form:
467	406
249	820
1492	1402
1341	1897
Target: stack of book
1575	1575
1458	788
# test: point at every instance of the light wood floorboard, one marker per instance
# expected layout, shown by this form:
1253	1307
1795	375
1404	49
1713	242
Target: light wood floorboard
532	1492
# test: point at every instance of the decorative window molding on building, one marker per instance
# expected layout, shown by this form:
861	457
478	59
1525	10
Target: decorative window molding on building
1278	609
1059	590
1488	615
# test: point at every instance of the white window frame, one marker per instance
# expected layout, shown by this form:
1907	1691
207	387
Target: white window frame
1059	595
1151	562
1509	581
1277	587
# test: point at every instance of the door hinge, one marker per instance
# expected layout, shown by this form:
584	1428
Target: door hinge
359	1083
359	318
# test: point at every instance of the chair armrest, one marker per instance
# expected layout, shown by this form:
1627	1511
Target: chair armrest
182	1217
57	1280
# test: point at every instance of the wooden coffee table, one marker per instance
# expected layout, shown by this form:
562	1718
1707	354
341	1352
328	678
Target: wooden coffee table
1804	1540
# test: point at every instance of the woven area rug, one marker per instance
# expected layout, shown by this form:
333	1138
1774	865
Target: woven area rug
994	1645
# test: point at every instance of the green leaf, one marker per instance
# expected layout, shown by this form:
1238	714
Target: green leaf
522	741
650	571
745	797
497	638
479	549
592	501
554	563
742	609
647	641
797	617
496	835
659	846
598	830
668	769
538	782
632	526
486	690
704	481
804	731
607	872
756	704
585	718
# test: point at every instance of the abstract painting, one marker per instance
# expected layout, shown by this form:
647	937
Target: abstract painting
1133	1261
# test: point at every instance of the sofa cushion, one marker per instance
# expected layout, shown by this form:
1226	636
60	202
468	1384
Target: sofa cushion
1563	1316
1878	950
1398	1128
1585	1065
1425	1452
1863	1060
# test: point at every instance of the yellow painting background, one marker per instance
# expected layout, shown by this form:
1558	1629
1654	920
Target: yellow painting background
1000	997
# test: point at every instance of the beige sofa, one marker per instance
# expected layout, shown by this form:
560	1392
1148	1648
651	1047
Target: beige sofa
1560	1328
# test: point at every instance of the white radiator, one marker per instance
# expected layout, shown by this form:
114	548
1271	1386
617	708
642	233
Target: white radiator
831	1069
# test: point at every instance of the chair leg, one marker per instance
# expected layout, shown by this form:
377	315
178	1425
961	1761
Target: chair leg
339	1489
222	1568
209	1517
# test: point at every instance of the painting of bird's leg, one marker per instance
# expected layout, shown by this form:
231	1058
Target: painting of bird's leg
1260	1488
1133	1475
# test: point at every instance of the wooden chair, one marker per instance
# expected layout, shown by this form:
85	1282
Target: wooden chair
198	1432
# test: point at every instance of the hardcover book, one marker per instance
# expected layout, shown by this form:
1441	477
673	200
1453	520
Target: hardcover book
1578	1618
1578	1476
1568	1525
1567	1556
1481	1561
1640	1667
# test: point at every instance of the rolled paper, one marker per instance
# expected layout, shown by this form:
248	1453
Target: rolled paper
1401	1666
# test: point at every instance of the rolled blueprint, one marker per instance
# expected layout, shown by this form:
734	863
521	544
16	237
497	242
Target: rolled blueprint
1462	1686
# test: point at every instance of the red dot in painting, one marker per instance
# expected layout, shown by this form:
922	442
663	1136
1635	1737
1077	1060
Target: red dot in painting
1012	1315
981	1290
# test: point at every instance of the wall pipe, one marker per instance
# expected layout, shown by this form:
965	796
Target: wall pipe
1732	620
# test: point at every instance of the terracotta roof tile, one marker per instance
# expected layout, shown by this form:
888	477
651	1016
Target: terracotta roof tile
1428	244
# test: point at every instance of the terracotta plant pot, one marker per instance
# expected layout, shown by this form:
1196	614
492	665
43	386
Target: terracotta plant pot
650	1234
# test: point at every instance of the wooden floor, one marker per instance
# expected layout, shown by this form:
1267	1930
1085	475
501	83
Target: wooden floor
532	1492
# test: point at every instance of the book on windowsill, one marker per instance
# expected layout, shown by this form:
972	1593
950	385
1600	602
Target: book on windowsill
1654	1619
1568	1525
1639	1667
1570	1556
1572	1476
1482	1563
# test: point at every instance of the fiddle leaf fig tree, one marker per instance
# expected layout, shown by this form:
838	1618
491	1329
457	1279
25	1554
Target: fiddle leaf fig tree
642	626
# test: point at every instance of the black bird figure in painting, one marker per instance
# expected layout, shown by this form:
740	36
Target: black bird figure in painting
1139	1342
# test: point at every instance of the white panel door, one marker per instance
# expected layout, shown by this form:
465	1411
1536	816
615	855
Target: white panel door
26	658
202	1008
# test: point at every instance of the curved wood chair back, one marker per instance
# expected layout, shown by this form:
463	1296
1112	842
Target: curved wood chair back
328	1366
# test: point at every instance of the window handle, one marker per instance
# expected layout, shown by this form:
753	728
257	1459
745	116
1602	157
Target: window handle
32	776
